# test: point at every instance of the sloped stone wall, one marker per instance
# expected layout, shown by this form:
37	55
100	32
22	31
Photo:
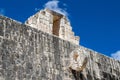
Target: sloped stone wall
29	54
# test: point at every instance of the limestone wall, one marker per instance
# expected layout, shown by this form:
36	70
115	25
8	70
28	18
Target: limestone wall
44	20
30	54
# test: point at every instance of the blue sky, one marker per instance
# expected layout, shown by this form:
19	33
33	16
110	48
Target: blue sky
97	22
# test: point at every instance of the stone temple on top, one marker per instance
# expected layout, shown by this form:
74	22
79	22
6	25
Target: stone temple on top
53	23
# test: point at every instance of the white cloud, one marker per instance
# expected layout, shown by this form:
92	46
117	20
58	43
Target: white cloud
53	5
37	9
116	55
2	11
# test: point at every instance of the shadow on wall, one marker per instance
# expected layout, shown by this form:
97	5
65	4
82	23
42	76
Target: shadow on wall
78	75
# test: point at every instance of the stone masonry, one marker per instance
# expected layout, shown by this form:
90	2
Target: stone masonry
53	23
27	53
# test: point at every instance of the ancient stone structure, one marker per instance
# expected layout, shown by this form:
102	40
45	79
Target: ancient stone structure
27	53
53	23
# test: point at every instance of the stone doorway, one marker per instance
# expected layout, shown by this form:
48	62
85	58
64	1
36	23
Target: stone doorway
56	24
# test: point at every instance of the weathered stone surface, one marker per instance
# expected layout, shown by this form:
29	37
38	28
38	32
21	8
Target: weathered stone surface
53	23
29	54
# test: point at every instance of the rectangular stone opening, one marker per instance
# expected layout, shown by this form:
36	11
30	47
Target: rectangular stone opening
56	25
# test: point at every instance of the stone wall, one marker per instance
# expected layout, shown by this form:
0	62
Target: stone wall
53	23
30	54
